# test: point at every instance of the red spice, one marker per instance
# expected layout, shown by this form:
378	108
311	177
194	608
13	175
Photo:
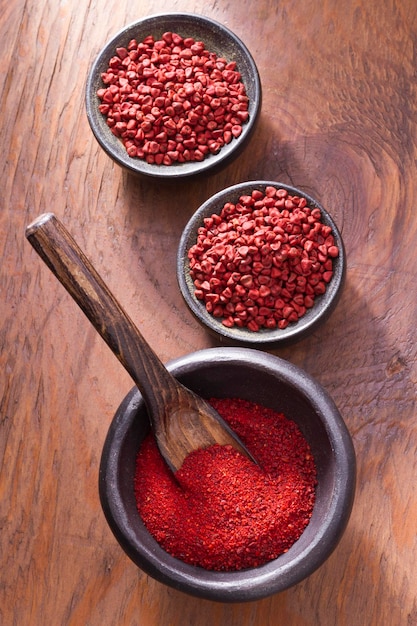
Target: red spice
221	511
261	262
171	100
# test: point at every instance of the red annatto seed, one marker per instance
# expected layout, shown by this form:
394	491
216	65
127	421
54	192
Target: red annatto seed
261	256
181	91
333	251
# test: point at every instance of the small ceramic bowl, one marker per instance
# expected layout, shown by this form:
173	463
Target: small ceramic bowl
218	39
259	377
323	304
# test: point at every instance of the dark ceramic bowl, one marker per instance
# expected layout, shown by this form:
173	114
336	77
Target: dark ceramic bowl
323	306
271	381
218	39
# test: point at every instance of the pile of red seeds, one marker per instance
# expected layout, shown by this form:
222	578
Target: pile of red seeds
171	100
261	262
221	511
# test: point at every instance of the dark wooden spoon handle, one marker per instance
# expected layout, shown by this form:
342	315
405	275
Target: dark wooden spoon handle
181	420
69	264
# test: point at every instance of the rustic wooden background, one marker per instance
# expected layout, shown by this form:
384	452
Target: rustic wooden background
338	120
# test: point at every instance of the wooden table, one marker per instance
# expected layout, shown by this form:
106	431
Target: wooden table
338	120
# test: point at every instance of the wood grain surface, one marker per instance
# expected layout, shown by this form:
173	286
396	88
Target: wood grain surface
338	120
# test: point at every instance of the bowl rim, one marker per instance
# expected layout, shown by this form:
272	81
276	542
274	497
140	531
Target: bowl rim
250	584
139	166
323	307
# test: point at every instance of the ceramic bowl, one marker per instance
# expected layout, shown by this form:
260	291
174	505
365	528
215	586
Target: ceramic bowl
218	39
323	305
271	381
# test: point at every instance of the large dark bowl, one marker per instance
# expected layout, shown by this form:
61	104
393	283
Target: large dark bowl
319	313
218	39
273	382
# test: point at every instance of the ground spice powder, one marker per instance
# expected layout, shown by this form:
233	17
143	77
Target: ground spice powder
221	511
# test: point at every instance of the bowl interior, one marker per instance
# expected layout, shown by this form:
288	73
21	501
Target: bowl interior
217	38
323	306
273	382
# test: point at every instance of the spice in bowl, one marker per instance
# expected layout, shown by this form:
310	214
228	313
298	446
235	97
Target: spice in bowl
281	386
171	100
220	511
173	95
261	262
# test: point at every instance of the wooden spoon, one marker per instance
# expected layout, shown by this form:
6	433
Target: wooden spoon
181	420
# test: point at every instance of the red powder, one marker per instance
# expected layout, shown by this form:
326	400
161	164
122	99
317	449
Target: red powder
221	511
